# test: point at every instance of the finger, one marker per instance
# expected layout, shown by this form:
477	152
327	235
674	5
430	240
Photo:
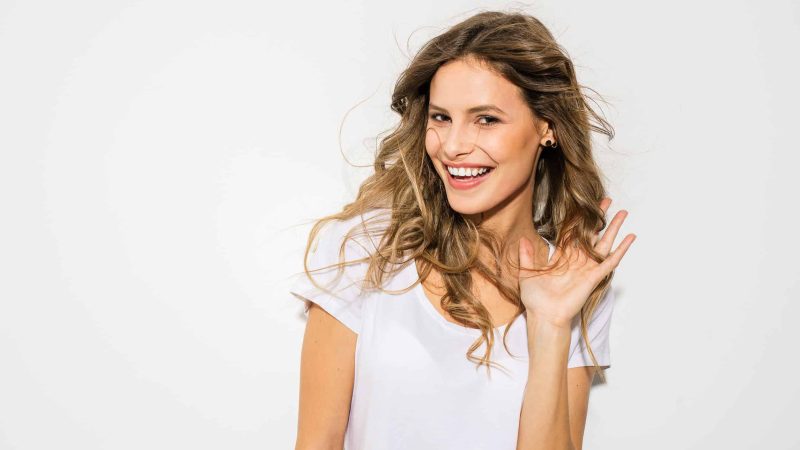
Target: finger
604	204
604	244
613	259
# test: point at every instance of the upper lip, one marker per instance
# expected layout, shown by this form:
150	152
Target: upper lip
465	165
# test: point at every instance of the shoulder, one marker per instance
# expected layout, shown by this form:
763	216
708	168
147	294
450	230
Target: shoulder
345	240
337	267
358	236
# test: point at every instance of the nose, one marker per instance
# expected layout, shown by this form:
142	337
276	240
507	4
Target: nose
458	140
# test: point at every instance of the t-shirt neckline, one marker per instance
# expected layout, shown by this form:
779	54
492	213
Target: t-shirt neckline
421	297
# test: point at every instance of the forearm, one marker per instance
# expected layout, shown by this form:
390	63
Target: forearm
544	419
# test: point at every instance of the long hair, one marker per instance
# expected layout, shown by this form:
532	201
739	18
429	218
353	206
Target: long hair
421	226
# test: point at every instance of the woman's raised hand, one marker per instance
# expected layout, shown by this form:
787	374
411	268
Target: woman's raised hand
556	297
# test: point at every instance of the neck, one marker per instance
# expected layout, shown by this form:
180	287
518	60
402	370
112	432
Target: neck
513	219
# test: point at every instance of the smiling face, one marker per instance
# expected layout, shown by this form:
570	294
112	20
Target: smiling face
479	122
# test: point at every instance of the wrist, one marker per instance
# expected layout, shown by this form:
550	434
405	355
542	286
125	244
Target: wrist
548	343
545	324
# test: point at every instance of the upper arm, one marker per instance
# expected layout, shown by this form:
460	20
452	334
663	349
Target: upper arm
579	383
334	306
327	368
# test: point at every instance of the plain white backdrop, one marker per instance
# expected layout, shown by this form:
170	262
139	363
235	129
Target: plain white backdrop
160	161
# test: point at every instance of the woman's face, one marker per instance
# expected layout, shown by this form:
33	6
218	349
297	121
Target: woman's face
478	119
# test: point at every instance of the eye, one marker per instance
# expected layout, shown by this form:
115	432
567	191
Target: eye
434	115
493	119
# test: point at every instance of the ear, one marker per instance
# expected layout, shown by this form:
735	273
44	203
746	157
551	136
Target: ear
546	132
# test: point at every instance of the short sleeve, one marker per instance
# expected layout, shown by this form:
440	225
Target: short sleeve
341	297
599	329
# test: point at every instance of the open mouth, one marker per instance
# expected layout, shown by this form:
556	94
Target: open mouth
466	174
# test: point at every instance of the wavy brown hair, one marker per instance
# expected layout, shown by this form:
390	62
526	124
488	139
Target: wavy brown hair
421	226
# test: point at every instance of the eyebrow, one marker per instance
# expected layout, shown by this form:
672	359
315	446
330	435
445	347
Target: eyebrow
474	109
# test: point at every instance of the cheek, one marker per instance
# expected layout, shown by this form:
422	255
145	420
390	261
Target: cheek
504	148
432	141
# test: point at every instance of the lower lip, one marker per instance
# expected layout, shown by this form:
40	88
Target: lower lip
468	183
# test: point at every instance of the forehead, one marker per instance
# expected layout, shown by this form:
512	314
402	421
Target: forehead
460	84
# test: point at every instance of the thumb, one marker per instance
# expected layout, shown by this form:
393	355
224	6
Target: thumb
525	256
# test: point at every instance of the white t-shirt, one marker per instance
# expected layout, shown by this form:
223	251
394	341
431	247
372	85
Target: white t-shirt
414	387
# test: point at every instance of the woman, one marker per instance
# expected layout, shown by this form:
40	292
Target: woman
483	218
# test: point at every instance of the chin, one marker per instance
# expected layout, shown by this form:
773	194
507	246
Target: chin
466	207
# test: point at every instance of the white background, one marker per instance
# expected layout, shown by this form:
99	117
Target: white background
160	161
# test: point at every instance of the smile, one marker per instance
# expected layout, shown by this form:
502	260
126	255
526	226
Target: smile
467	177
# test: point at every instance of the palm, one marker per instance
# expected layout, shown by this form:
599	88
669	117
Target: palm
558	296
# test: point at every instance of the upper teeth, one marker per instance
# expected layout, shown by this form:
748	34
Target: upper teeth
464	171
